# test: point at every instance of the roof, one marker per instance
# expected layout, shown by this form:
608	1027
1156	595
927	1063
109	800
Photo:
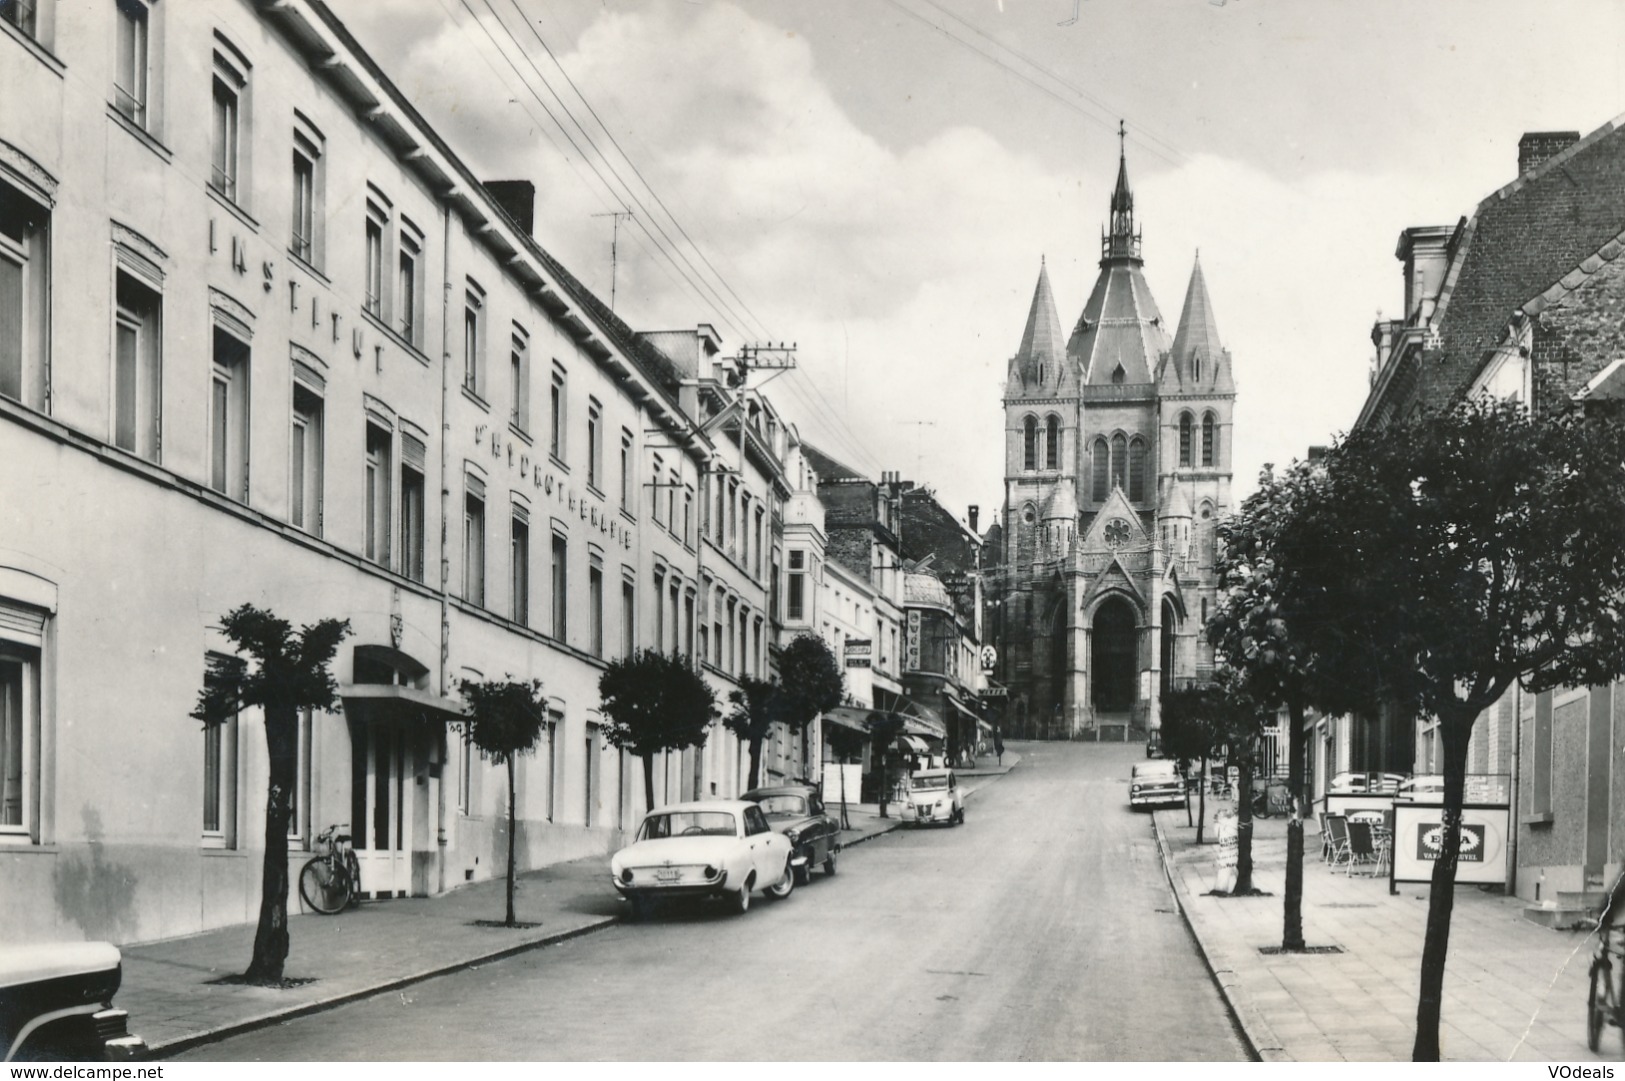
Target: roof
1062	503
1041	342
1198	338
1518	242
926	589
826	467
1120	325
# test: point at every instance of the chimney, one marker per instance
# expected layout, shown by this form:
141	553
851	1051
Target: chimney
1538	147
1425	252
517	198
973	513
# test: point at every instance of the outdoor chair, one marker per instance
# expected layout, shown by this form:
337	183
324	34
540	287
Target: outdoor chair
1338	831
1325	837
1362	848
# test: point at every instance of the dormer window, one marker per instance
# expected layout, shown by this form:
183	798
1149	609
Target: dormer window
1118	375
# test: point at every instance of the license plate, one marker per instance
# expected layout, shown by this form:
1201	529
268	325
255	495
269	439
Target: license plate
668	874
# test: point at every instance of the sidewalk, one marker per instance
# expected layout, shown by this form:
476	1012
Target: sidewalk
1512	990
381	946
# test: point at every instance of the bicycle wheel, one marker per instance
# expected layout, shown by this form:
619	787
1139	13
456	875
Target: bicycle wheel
322	889
1599	1002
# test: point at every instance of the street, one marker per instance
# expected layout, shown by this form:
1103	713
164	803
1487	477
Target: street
1043	929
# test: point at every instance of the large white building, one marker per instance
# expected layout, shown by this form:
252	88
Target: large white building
265	338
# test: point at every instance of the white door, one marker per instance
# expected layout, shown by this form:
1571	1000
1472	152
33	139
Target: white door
381	824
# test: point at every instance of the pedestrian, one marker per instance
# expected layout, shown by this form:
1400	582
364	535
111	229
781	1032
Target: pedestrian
998	745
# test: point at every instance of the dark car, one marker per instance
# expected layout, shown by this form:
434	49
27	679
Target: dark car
56	1002
797	811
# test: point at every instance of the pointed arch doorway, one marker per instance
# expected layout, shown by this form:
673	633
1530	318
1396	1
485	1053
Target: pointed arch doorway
1114	639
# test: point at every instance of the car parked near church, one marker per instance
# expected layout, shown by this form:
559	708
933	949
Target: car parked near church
797	811
710	848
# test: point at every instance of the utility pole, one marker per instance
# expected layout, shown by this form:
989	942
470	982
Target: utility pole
614	244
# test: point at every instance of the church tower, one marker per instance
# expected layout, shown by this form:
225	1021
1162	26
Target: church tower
1117	468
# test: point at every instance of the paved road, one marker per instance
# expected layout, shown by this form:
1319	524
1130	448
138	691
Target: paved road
1041	929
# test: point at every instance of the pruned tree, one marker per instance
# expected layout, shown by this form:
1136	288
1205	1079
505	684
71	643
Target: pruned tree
652	703
1189	736
505	720
290	672
884	728
809	683
1463	552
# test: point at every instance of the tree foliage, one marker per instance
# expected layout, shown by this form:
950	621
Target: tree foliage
810	682
291	671
505	720
655	702
1447	557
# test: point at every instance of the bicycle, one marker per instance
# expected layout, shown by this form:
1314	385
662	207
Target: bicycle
1271	798
331	879
1605	1004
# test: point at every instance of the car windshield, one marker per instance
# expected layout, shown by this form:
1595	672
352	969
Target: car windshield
927	784
783	805
658	827
1154	771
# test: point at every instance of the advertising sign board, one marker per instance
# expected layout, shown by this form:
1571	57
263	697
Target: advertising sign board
1419	841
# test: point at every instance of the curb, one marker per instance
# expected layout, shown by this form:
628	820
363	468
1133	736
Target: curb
273	1017
1260	1040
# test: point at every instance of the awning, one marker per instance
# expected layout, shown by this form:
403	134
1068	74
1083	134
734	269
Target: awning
914	744
922	720
851	717
395	702
962	708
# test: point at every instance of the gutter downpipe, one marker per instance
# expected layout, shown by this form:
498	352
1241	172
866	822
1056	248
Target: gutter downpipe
445	564
1512	795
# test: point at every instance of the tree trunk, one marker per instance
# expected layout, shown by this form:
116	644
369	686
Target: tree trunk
648	780
509	920
1184	772
271	937
1292	895
755	761
1201	802
1244	827
840	764
882	794
1455	726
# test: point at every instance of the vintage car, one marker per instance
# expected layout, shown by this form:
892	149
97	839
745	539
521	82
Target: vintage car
933	796
1155	782
56	1003
712	848
797	811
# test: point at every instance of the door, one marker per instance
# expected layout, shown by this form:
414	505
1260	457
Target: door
380	820
767	858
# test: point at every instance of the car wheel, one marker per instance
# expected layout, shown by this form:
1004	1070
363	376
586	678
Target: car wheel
829	863
960	819
641	908
741	899
783	887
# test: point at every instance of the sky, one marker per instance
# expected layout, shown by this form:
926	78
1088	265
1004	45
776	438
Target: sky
878	180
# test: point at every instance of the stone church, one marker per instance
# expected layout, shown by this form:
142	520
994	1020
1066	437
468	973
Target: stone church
1117	467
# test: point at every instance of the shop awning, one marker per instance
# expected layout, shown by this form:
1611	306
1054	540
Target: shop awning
853	717
395	702
964	710
922	720
914	744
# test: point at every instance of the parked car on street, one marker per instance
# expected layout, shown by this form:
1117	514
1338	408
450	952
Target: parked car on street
797	811
712	848
1424	787
56	1003
1154	783
933	795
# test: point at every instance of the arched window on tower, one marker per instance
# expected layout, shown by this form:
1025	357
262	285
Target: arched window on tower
1196	368
1136	469
1118	374
1209	437
1120	460
1029	443
1184	439
1052	442
1102	472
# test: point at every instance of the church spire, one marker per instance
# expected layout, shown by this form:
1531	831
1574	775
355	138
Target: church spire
1041	342
1123	240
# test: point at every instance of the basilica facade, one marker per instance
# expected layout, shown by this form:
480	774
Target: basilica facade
1117	467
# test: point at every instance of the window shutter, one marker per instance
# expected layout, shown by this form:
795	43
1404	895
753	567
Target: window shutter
476	487
412	453
23	625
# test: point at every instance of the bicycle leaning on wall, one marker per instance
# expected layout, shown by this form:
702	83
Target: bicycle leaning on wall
1605	1004
331	879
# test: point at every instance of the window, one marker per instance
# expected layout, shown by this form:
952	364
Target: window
24	296
130	69
685	645
1052	443
1100	463
555	729
626	470
688	517
629	618
1184	439
654	488
1118	375
299	798
796	604
659	640
595	607
474	541
519	567
519	381
228	417
305	461
761	539
19	734
465	775
220	781
561	551
733	516
1029	443
137	386
590	789
721	515
230	92
304	241
376	494
555	416
410	298
672	484
412	507
1136	469
377	228
744	538
473	312
1119	461
21	14
1208	438
595	447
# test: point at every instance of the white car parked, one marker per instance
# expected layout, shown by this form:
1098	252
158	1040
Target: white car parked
712	848
934	795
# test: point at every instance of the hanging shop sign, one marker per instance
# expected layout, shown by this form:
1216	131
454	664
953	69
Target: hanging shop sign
858	652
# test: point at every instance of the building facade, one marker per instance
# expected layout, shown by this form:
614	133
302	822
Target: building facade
1117	459
264	338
